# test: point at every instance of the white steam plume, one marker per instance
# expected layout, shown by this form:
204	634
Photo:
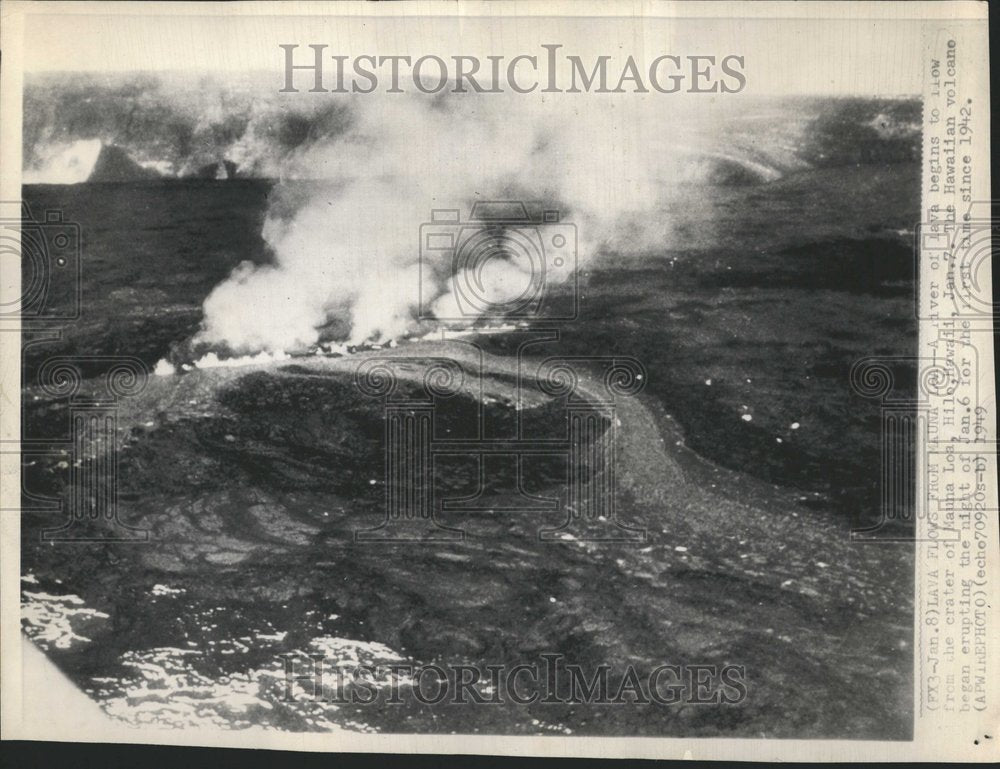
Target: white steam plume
346	252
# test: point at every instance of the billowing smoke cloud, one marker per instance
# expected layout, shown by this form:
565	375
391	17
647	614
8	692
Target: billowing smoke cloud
358	176
346	246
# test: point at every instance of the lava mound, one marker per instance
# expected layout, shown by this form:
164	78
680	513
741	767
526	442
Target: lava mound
292	456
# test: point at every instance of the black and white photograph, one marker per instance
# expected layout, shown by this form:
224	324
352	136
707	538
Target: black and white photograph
481	375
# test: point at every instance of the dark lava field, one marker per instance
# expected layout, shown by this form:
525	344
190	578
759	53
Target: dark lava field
746	460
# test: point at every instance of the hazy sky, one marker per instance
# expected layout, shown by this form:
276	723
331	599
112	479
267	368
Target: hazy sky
860	55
